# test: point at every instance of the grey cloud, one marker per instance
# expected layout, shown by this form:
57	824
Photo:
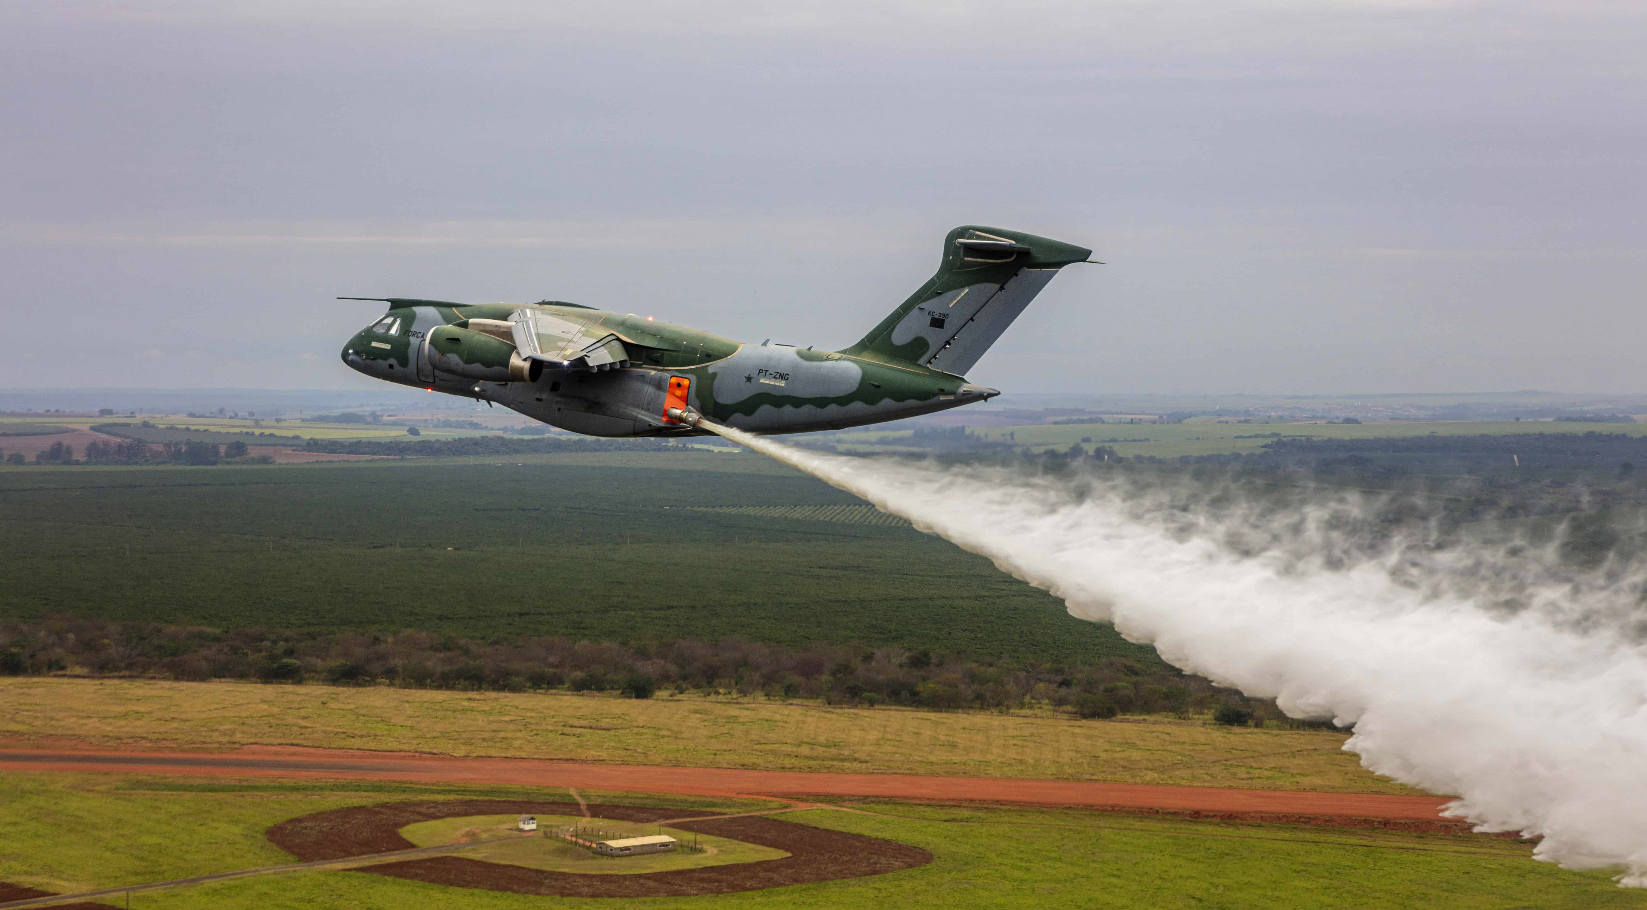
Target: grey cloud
1291	196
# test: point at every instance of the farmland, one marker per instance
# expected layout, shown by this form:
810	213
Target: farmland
680	730
983	857
602	546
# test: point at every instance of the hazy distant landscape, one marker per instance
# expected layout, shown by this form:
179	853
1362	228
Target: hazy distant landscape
453	581
238	521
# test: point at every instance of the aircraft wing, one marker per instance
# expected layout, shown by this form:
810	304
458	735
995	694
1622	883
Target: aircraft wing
565	343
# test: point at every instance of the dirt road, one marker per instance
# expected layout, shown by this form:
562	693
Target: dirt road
296	762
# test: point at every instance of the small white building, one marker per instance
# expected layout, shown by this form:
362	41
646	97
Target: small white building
634	846
528	823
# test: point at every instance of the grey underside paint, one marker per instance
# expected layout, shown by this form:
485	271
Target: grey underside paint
810	417
614	403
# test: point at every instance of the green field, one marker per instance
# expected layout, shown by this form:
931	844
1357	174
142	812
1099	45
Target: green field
68	832
613	546
10	428
506	845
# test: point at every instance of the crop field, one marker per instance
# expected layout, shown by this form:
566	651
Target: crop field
1174	439
679	730
176	428
857	515
604	546
69	833
281	434
11	428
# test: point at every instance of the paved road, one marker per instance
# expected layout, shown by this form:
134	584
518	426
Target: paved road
295	762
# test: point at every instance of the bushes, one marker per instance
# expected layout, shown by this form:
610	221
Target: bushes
588	682
57	454
837	674
545	678
487	445
639	685
283	670
342	671
1232	715
1095	707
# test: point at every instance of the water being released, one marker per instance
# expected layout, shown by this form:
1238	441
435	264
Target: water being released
1482	673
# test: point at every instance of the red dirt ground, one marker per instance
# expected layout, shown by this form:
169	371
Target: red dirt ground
10	892
30	445
298	762
289	455
816	854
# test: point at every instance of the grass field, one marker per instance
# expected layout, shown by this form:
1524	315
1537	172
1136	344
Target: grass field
605	546
505	845
13	428
70	832
1174	439
682	731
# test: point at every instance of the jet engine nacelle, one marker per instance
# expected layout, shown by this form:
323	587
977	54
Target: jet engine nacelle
475	355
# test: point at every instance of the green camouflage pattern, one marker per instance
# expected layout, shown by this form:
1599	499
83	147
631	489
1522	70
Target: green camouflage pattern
608	374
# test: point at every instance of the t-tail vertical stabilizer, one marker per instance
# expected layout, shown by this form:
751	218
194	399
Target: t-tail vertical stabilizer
987	277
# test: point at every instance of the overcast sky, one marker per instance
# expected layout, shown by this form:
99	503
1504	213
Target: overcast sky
1292	196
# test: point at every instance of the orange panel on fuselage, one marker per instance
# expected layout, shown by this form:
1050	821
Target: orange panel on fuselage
679	386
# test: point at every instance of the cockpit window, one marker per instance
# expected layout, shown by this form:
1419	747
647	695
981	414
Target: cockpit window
388	325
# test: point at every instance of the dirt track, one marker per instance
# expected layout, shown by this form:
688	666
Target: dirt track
10	892
295	762
816	854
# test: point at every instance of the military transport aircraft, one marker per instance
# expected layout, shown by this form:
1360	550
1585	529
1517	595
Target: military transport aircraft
608	374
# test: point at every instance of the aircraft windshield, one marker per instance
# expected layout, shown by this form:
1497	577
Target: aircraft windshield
388	325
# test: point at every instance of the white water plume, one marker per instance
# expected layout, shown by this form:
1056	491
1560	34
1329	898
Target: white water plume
1535	717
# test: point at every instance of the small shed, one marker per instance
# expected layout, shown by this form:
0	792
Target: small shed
528	823
635	846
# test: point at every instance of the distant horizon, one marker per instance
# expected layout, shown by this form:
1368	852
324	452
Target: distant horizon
374	389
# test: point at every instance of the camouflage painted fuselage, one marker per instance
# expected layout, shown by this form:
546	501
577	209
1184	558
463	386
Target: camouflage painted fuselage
618	375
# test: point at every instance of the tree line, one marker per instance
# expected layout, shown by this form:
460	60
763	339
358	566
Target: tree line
837	674
137	452
488	445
